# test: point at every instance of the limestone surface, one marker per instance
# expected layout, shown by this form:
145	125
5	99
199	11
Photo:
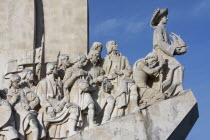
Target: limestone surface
66	28
173	118
170	119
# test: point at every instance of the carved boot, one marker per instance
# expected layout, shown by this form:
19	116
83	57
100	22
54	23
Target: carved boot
72	127
108	110
91	115
34	128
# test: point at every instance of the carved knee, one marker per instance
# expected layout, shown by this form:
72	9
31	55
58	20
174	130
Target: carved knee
91	106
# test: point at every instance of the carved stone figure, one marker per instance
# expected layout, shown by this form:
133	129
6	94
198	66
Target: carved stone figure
98	47
114	62
72	88
142	69
95	72
25	117
63	64
104	102
58	117
7	123
28	88
126	95
173	71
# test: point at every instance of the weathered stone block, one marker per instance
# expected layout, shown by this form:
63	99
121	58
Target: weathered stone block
170	119
16	29
173	118
66	28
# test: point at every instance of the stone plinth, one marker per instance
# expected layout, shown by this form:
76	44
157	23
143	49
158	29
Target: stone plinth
66	27
171	119
130	127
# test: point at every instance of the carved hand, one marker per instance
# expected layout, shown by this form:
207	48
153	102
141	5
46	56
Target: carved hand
81	73
51	111
58	108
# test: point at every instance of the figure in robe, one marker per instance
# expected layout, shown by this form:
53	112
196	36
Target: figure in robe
57	115
172	77
101	91
71	81
25	117
126	95
114	62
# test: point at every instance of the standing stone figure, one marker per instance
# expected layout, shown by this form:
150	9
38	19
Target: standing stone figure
126	95
58	117
104	102
114	62
142	69
95	72
7	123
63	64
97	46
25	117
173	71
72	88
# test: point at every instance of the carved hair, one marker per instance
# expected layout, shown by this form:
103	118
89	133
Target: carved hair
93	53
61	58
109	46
96	45
14	78
50	67
25	72
151	55
79	57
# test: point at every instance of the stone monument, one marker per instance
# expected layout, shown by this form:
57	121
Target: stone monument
52	89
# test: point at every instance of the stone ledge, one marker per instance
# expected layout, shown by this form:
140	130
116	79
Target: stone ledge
170	119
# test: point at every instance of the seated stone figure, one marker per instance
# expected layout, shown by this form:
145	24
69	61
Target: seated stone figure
7	123
71	81
58	117
25	119
143	68
126	94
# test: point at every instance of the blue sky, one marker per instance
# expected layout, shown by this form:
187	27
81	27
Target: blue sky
127	22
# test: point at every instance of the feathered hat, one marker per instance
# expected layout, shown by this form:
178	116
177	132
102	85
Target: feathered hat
158	13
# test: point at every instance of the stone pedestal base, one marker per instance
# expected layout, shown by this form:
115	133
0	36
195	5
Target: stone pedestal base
170	119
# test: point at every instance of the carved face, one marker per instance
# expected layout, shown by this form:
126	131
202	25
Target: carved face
114	46
152	62
99	48
30	76
81	63
164	20
95	58
16	83
55	70
65	61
